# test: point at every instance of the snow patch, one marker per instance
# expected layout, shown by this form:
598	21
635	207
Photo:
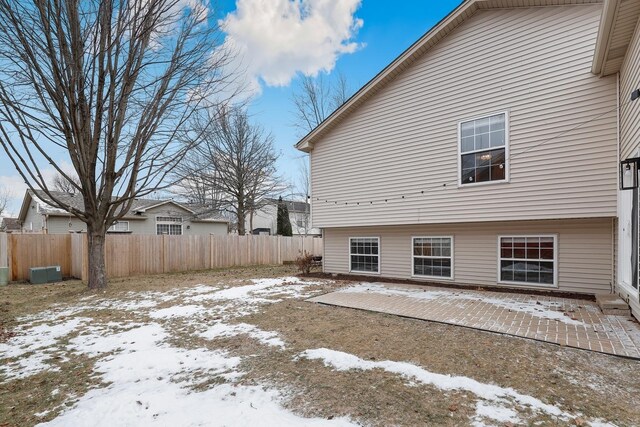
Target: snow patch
499	397
177	311
33	346
219	330
152	382
538	308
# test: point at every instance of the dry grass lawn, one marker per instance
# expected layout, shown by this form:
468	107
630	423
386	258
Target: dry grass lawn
263	344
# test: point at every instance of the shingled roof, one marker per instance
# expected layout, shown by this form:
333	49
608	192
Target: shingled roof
138	207
10	224
293	206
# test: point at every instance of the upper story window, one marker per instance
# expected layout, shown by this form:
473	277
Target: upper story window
483	149
171	225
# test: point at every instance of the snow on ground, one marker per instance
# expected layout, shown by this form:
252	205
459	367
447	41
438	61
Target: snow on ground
31	347
497	402
151	383
535	307
146	380
220	329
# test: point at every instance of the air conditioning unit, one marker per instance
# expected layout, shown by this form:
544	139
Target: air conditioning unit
39	275
4	276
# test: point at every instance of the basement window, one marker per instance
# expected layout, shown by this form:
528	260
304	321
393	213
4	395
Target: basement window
530	260
483	149
433	257
364	254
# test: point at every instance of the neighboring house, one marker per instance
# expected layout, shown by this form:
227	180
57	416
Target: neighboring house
487	153
10	225
145	217
265	220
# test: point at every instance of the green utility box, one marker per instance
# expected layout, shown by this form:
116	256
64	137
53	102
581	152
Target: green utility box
39	275
4	275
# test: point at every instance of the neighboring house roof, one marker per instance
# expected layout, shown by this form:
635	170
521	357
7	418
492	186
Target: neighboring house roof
617	24
10	224
139	206
462	13
294	206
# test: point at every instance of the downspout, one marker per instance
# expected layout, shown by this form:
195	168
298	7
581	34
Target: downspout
615	242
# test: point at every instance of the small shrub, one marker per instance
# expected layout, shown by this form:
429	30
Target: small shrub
304	262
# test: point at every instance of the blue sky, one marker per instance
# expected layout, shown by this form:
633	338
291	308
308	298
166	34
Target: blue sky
364	37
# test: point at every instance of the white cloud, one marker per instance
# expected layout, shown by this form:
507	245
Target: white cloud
16	186
275	39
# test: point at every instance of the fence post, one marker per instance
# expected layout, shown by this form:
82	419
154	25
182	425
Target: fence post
164	253
211	251
85	258
10	254
4	252
3	249
279	249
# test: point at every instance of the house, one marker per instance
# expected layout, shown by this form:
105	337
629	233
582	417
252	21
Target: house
488	153
10	225
146	216
264	220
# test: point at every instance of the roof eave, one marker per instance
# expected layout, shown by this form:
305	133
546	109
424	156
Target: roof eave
306	143
607	19
25	205
164	202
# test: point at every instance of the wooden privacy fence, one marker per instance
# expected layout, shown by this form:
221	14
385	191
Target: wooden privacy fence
132	255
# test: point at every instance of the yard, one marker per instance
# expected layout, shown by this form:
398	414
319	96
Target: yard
243	347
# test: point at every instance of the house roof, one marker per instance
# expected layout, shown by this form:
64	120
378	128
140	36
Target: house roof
75	200
617	24
294	206
448	24
10	224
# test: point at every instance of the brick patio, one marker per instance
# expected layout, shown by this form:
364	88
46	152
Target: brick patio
569	322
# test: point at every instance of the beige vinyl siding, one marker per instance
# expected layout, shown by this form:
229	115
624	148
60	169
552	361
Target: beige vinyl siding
584	250
63	225
205	228
533	63
33	220
630	110
630	134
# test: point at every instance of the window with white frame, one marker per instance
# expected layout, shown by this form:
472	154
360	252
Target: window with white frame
171	225
119	226
433	257
483	149
528	259
364	254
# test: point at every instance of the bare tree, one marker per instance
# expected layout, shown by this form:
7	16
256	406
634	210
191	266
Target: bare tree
112	82
301	190
234	168
315	98
68	183
5	196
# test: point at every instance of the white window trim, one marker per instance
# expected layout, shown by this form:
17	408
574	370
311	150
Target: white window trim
530	284
413	257
379	255
507	163
170	223
120	231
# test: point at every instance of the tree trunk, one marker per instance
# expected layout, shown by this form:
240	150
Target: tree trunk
97	268
241	217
